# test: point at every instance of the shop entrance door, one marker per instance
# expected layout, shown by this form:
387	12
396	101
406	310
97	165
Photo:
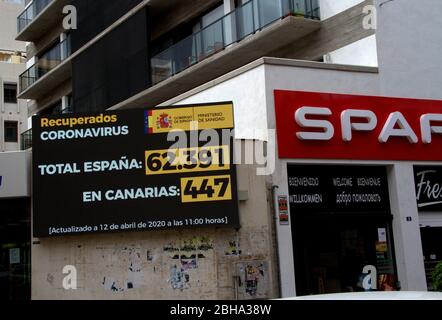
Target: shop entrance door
341	253
15	249
341	228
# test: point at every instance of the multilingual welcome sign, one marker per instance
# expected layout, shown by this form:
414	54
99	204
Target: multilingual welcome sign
338	189
137	169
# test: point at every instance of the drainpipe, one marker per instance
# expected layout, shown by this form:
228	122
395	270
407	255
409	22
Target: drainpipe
273	208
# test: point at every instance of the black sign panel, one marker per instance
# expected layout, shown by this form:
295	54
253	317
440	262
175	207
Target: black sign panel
428	181
117	171
337	189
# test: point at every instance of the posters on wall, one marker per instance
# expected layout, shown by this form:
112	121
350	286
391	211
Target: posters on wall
253	281
283	209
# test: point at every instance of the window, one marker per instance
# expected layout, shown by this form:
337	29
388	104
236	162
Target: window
11	131
5	57
10	93
20	2
210	39
55	108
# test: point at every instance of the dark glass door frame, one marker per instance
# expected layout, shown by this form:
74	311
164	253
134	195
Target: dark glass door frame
298	223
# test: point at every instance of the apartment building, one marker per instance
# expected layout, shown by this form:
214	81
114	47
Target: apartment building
15	214
12	64
142	54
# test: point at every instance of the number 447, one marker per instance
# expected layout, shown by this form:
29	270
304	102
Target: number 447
213	188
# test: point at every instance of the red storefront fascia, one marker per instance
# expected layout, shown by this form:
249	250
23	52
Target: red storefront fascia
314	125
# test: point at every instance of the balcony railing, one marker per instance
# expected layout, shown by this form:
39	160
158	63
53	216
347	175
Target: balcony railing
67	110
26	137
26	17
26	140
46	63
233	27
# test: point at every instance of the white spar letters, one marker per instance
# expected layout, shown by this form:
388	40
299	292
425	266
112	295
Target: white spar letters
396	125
348	125
302	121
427	129
404	129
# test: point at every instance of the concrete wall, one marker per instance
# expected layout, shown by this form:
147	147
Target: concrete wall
330	8
8	26
107	263
248	88
409	41
246	92
362	52
336	32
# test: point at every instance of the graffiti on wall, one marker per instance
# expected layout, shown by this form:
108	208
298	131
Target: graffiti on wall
135	273
179	278
186	256
181	264
129	258
233	248
149	256
253	282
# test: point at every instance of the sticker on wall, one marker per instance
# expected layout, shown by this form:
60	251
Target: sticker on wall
283	210
189	263
382	235
14	255
381	247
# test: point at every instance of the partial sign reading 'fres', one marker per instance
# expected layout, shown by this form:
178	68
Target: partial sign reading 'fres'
120	171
